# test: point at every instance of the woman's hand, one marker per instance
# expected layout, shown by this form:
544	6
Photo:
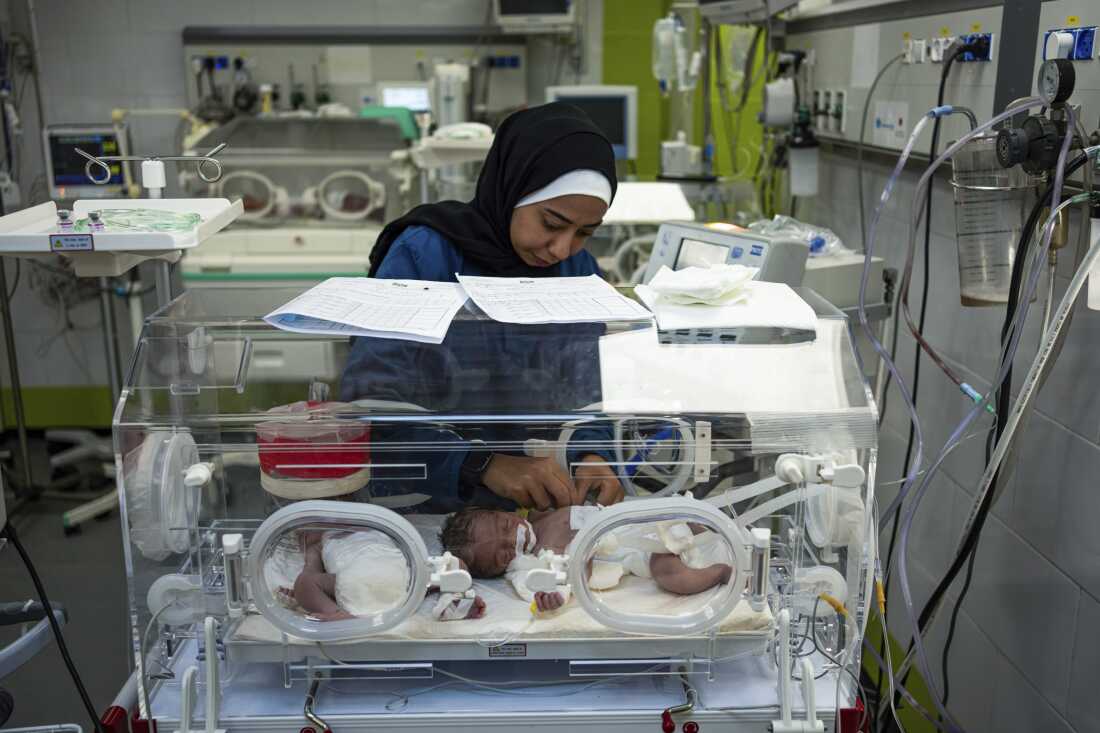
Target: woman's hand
530	482
596	475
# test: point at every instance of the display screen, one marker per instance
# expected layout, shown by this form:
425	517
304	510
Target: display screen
534	7
417	99
609	114
68	165
694	253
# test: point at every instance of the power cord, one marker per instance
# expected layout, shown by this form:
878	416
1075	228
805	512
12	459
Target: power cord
968	552
13	537
903	293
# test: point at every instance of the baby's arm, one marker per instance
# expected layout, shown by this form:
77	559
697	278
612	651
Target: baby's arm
672	575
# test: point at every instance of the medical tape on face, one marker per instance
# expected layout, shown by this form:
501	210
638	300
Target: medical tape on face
784	500
525	539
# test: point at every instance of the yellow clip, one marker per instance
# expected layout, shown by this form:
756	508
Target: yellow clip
880	592
534	608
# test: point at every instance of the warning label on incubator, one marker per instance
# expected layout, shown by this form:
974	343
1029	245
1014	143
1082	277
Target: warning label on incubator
71	243
508	650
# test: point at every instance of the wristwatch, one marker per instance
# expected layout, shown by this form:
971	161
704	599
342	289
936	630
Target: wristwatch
475	463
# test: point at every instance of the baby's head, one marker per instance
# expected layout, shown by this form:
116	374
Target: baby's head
486	540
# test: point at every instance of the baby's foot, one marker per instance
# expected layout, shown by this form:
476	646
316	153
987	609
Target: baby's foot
477	610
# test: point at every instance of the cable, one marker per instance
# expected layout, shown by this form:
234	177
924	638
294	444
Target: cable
972	527
881	350
15	284
862	143
13	537
944	666
902	303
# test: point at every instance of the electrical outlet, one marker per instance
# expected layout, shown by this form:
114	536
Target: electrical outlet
840	110
1075	44
984	51
920	51
1085	45
936	47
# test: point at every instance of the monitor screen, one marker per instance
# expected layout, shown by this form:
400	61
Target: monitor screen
694	253
534	7
67	166
609	113
415	98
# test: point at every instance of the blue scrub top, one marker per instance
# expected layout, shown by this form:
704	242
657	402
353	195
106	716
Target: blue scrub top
481	368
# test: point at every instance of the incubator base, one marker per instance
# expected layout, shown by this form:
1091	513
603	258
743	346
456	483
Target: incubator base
740	696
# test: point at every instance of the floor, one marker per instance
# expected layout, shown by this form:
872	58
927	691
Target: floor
84	572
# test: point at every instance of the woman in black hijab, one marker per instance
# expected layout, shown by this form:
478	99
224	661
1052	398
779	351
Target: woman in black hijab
546	183
544	188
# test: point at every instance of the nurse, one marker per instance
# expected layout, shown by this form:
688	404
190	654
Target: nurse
546	184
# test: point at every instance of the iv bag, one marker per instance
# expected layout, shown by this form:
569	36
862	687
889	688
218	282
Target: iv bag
664	51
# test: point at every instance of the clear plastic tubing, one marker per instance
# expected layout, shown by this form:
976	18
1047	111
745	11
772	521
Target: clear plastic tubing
884	354
1019	319
1007	357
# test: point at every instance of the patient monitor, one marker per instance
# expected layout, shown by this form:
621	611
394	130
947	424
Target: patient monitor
680	245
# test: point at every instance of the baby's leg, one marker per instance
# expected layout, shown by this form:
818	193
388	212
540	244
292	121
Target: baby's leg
314	589
316	593
672	575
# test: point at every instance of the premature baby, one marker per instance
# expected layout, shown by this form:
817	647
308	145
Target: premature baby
680	559
343	575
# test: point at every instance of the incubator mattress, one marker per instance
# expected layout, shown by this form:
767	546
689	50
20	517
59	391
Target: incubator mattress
508	617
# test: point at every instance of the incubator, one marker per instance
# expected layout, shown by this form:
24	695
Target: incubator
316	191
292	561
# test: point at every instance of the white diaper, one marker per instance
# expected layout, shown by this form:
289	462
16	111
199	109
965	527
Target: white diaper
372	574
627	551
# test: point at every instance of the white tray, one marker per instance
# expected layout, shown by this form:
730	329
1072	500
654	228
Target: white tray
27	231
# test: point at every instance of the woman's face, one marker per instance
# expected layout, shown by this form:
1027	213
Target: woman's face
550	231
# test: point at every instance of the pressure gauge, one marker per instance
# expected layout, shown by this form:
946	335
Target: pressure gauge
1056	80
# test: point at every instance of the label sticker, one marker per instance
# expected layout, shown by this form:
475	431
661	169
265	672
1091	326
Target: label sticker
757	250
945	31
906	36
508	650
71	243
975	27
1073	20
891	126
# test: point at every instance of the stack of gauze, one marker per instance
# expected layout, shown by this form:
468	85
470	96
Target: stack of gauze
719	284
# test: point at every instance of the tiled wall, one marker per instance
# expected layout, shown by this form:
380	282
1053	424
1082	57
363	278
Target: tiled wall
1026	655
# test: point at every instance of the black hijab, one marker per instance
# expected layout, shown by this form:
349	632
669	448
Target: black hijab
532	149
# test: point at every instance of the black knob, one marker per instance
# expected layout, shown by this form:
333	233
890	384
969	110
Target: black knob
1012	146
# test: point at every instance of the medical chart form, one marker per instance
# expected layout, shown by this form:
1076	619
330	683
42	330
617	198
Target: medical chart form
413	310
551	299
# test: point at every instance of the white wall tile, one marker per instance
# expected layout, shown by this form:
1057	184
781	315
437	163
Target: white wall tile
971	656
1052	462
1026	606
1064	396
1082	711
1017	705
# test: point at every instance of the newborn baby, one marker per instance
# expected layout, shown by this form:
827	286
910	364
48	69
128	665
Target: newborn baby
353	574
680	559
